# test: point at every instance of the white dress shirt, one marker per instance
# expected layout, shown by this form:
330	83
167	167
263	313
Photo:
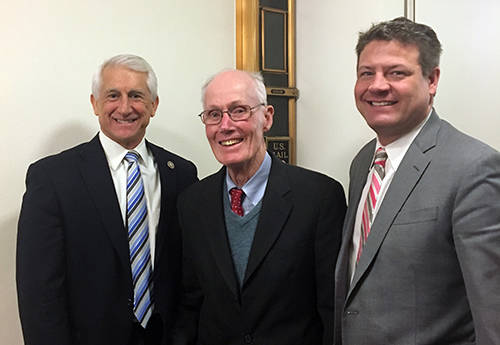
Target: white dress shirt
395	154
115	154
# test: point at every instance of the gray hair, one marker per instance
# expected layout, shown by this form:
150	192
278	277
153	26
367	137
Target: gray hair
133	62
260	88
406	32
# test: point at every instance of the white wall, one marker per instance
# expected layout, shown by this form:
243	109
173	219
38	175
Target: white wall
329	128
50	50
469	90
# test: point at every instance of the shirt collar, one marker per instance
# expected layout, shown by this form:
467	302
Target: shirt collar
397	149
255	187
115	152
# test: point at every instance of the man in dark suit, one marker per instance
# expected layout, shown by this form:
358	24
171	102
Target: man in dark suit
420	256
77	280
260	237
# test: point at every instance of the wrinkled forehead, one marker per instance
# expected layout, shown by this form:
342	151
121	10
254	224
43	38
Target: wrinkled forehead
229	88
124	78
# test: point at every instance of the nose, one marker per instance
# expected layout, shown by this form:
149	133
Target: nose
379	83
225	122
124	107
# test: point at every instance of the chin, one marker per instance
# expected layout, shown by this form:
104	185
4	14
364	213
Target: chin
381	120
225	156
231	161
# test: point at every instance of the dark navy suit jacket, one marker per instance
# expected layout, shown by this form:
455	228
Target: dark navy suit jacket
73	267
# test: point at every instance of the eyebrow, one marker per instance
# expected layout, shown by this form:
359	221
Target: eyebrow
384	67
136	92
130	92
232	104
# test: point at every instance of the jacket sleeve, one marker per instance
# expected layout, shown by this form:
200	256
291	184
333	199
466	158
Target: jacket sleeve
185	330
40	265
327	245
476	234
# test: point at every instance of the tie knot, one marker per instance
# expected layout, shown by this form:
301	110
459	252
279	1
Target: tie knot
379	162
237	200
132	157
380	157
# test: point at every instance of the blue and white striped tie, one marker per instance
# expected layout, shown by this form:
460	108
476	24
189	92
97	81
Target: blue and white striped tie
138	238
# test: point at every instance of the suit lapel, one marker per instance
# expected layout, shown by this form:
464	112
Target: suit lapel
97	177
411	169
168	181
212	216
358	180
276	207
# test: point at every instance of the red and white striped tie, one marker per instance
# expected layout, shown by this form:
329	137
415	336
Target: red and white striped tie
378	175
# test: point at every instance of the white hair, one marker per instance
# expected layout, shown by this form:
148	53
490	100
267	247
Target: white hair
260	88
133	62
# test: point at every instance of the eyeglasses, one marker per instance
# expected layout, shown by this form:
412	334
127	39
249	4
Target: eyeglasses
235	113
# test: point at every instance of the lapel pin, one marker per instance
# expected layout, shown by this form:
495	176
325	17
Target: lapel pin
171	164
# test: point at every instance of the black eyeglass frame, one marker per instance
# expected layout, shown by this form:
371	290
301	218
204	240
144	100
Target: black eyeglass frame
248	111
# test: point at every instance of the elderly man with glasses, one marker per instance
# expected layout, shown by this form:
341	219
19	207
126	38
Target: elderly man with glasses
260	237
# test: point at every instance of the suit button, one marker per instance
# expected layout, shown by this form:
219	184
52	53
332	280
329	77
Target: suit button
351	312
248	339
130	303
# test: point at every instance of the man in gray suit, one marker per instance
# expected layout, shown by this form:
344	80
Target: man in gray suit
420	259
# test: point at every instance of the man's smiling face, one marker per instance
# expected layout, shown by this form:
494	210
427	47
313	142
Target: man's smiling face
239	145
124	105
391	92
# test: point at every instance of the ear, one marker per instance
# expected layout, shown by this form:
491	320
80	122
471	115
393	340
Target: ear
93	101
433	79
155	105
268	117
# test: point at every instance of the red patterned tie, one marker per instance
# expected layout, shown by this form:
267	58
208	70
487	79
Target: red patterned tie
236	201
378	175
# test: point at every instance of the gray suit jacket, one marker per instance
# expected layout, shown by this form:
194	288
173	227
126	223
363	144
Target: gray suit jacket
430	269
